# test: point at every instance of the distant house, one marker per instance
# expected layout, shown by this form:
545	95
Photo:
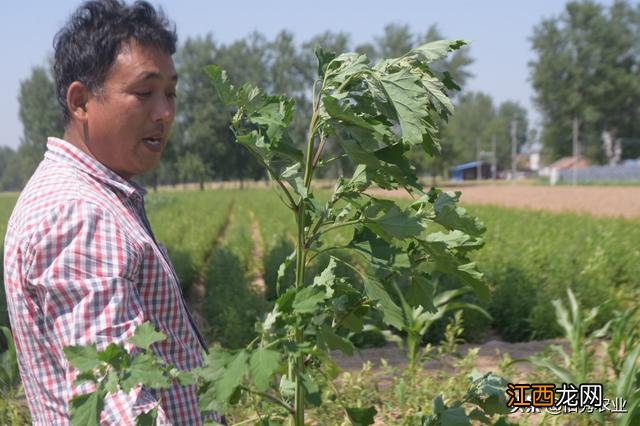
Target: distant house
565	163
469	171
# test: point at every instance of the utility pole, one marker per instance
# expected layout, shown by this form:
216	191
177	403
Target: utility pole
494	160
575	129
514	147
479	160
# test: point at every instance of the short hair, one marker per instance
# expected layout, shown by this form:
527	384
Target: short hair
87	46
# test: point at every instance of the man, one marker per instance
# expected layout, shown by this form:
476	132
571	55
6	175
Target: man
81	263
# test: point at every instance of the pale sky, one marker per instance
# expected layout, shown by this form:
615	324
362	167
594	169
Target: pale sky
499	32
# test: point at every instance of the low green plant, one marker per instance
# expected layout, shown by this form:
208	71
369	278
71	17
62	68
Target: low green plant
13	408
580	366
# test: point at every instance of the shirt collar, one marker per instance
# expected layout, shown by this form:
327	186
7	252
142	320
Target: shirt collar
62	151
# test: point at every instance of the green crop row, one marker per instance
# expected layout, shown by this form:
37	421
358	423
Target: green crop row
531	258
188	223
7	201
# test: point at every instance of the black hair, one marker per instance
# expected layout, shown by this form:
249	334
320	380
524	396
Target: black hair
87	46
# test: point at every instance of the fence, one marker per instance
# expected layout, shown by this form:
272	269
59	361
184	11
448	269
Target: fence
623	173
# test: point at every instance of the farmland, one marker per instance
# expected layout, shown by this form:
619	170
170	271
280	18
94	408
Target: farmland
530	258
227	245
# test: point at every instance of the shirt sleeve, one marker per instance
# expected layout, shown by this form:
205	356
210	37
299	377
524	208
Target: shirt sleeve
83	269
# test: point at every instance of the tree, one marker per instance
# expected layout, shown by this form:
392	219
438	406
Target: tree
586	69
476	122
41	117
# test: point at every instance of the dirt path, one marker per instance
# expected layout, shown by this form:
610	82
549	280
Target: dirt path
489	356
197	291
602	201
257	282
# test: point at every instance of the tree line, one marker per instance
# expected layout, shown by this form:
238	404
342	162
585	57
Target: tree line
585	69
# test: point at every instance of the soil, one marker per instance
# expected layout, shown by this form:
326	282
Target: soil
489	356
601	201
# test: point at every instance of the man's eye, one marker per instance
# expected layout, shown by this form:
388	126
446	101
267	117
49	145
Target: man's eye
143	94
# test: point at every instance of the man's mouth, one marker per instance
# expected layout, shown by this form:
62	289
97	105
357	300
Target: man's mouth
153	143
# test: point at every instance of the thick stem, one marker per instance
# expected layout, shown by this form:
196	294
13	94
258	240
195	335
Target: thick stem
298	362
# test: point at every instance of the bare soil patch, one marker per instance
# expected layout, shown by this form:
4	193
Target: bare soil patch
601	201
489	356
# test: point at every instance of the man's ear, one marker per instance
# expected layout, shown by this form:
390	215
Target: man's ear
77	98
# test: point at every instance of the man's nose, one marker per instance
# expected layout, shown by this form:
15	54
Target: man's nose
164	109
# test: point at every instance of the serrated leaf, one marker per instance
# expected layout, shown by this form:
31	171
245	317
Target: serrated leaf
335	341
232	376
327	277
114	354
438	49
146	335
407	96
263	364
82	358
308	299
391	312
399	224
452	217
144	370
223	87
85	409
324	58
287	387
361	416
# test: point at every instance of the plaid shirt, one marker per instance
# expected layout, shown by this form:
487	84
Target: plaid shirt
82	266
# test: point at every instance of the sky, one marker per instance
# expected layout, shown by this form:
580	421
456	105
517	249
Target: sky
499	31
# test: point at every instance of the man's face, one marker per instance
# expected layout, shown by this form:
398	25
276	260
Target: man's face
129	120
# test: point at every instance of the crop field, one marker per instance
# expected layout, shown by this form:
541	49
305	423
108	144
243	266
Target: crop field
235	240
227	246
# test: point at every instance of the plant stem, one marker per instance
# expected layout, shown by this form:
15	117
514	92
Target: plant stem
335	226
271	398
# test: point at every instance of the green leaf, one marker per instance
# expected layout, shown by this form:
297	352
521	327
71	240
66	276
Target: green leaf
454	417
399	224
86	408
327	277
145	370
83	358
312	392
420	293
407	96
232	376
324	58
361	416
146	335
8	360
438	49
221	83
335	341
287	387
455	218
148	418
308	299
186	378
111	382
350	116
263	364
391	312
293	175
115	355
